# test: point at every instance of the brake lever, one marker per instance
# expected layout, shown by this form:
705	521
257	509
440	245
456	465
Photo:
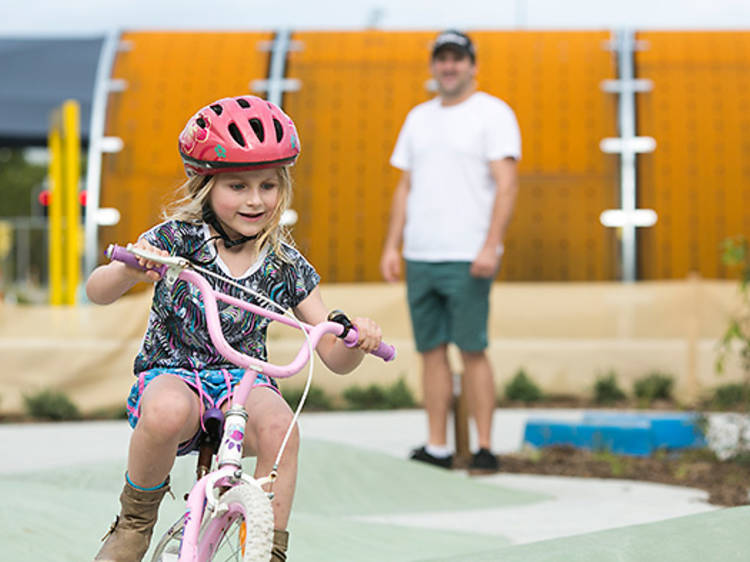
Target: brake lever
340	317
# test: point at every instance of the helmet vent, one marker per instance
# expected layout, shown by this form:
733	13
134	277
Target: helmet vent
257	128
217	109
279	130
236	135
242	102
201	122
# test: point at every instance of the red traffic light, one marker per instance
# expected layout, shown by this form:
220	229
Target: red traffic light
44	197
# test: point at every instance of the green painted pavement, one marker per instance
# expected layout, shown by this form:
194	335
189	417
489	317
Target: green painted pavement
60	515
717	536
317	539
341	480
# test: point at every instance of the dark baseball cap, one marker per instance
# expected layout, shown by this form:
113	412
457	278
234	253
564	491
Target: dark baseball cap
453	39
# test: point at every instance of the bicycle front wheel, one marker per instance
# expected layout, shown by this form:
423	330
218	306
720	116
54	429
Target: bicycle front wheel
167	549
243	532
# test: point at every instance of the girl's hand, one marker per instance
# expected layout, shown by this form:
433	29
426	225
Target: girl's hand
370	334
146	276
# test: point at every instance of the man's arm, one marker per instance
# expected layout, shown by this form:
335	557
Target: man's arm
390	261
505	174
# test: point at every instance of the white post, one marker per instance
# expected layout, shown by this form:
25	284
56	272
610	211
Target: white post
98	144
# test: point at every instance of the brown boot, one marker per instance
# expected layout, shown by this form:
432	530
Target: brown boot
280	542
129	536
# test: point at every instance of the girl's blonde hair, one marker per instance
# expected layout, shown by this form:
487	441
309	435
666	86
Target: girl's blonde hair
193	196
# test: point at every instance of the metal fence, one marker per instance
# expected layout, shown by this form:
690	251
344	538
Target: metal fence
24	270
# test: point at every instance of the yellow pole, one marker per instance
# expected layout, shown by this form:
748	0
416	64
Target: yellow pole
54	213
71	152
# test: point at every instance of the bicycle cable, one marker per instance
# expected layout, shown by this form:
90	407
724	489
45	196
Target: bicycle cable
285	312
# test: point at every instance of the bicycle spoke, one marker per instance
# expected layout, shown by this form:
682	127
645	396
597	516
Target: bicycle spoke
234	545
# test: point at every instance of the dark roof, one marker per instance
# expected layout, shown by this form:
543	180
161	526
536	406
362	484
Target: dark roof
37	75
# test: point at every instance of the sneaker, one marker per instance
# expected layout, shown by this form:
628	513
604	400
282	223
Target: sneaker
422	455
483	460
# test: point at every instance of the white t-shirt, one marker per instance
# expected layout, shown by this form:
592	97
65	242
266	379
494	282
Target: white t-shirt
447	150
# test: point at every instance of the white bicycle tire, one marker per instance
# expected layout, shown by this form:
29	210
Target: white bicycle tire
242	502
251	503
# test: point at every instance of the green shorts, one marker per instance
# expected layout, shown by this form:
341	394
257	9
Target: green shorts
447	305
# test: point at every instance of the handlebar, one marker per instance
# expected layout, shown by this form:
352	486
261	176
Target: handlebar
181	268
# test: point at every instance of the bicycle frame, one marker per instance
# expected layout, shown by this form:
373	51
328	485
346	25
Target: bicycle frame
204	496
230	451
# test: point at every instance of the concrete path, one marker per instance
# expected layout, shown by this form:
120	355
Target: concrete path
358	499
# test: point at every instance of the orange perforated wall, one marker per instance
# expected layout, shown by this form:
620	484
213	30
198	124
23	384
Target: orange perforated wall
357	88
552	81
698	178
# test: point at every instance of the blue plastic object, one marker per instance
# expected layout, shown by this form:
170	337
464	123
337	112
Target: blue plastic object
669	430
630	434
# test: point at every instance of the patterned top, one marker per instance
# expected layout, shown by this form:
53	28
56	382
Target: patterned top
177	335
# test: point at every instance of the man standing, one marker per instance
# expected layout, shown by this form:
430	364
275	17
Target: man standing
452	206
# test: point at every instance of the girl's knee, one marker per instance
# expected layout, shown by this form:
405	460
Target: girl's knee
167	416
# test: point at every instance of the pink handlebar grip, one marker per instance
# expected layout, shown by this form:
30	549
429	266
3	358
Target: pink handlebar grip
115	252
385	351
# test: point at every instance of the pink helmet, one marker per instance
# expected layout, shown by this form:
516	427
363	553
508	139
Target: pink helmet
238	134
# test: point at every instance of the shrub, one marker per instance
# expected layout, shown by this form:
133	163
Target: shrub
656	386
730	395
400	396
736	339
606	389
365	398
521	388
618	464
119	412
50	405
316	399
376	397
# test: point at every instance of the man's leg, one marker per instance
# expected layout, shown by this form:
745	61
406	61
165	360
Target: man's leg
429	323
469	319
480	392
437	388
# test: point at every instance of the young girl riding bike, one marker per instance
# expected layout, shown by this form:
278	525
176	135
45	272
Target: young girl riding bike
237	153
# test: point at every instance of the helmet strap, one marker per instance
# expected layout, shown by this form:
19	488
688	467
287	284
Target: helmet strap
209	217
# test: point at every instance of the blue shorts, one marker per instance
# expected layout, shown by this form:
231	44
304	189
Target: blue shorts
213	386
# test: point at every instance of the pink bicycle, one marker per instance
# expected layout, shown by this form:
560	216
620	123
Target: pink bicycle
228	514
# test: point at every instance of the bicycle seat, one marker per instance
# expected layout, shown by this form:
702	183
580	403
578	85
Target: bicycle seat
213	424
210	433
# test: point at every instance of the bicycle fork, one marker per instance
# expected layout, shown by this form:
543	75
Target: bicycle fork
203	499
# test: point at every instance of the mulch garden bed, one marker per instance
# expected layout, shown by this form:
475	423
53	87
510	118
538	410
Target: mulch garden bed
727	482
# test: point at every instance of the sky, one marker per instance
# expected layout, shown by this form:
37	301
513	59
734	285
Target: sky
95	17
